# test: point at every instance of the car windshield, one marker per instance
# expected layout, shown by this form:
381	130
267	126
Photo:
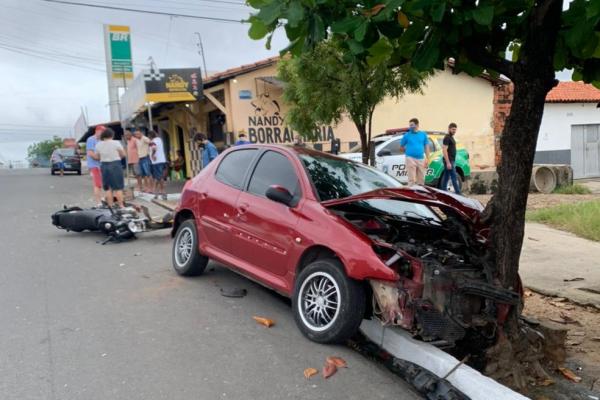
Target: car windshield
336	178
357	148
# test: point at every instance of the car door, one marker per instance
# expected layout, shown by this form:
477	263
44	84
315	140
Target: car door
218	199
393	159
263	229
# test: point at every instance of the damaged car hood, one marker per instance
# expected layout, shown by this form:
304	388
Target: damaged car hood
469	209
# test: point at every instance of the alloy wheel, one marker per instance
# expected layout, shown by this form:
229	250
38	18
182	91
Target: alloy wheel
319	301
184	246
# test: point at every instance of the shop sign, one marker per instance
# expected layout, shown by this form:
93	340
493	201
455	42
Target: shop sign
172	85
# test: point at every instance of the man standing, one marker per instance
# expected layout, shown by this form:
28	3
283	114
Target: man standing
242	140
208	150
416	148
449	151
143	144
132	158
93	163
57	160
159	161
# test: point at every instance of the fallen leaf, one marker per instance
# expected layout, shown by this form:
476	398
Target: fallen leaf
328	370
308	372
337	361
570	375
596	339
374	11
264	321
534	239
528	293
546	382
403	20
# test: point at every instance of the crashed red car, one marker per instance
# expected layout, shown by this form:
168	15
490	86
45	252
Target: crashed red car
344	241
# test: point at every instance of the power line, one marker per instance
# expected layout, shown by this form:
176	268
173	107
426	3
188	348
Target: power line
216	19
39	56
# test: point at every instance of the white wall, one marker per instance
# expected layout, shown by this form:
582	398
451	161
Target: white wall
555	131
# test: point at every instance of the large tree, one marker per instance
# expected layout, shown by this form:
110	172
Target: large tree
324	84
541	36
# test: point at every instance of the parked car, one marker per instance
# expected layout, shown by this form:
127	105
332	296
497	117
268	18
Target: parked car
390	158
344	241
71	161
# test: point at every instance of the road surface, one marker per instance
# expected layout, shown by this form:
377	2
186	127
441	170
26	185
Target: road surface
85	321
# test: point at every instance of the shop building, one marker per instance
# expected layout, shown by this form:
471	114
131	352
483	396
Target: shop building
248	99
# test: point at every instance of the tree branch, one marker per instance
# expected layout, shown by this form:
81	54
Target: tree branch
489	61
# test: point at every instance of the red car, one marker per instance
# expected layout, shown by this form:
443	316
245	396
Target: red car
344	241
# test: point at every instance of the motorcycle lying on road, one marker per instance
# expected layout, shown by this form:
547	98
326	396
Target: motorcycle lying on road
118	224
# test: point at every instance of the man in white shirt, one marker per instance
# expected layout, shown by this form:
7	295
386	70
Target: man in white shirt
159	162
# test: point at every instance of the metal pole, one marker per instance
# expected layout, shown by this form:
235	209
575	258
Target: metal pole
201	52
150	116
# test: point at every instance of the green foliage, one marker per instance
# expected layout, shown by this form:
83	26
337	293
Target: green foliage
583	219
476	34
324	83
44	148
572	189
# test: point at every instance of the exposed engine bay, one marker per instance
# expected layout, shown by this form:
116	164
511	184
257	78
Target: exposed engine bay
446	284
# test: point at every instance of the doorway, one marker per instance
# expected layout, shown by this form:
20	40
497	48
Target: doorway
585	151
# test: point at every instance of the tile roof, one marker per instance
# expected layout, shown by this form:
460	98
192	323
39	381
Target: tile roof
573	92
232	72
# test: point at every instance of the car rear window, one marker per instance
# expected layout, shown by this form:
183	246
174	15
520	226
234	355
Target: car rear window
66	152
233	167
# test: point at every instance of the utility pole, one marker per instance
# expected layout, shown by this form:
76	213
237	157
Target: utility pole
201	53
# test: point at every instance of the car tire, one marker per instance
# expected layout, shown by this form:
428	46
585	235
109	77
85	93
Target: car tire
313	312
450	188
187	260
78	172
51	172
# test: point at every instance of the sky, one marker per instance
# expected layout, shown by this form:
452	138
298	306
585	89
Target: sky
42	92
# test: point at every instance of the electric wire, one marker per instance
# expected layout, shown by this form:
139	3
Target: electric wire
215	19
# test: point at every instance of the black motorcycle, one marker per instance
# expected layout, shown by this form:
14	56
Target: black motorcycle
118	224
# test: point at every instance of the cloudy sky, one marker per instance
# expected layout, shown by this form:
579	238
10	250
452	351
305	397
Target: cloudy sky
52	55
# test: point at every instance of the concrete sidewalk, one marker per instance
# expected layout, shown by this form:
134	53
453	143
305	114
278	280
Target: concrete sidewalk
553	263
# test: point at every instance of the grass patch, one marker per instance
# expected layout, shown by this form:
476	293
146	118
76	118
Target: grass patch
582	219
572	189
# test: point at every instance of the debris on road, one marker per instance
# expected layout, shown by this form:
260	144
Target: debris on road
337	361
574	280
328	370
308	372
233	292
570	375
264	321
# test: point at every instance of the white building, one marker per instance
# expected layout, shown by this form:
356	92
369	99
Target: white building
570	130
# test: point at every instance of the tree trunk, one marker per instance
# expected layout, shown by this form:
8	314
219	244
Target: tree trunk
364	142
533	77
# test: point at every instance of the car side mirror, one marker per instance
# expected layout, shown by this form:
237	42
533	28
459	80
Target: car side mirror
384	152
280	194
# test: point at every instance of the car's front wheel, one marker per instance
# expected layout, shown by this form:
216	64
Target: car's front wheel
187	260
328	306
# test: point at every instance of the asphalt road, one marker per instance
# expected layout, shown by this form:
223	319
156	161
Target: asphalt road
83	321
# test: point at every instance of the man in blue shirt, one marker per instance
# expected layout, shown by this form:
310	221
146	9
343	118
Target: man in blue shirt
416	149
242	140
208	150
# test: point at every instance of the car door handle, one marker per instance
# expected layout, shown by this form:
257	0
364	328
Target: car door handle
242	208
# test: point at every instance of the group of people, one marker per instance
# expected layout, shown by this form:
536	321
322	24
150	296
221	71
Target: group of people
415	144
145	156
